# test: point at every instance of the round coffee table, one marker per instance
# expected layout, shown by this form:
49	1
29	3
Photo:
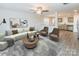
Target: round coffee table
29	44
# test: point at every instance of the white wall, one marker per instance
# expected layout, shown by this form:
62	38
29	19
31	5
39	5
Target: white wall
33	20
65	21
55	25
75	18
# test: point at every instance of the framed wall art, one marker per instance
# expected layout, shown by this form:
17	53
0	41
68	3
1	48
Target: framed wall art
60	20
70	19
24	23
15	22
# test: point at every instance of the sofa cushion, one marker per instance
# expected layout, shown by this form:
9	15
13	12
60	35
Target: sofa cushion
3	45
14	32
2	35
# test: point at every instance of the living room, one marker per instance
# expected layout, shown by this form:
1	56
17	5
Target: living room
39	29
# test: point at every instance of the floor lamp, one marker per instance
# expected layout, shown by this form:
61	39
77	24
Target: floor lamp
3	21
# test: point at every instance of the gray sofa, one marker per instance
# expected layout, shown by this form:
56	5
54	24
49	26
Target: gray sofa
8	41
18	36
3	44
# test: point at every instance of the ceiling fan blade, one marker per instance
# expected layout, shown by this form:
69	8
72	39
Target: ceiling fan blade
65	3
45	11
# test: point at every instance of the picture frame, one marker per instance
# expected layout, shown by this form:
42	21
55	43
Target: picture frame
14	23
70	19
60	20
24	23
18	23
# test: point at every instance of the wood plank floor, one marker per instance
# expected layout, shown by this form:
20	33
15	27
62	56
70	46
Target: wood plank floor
70	43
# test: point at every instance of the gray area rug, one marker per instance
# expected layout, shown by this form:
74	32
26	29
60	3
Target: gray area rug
45	47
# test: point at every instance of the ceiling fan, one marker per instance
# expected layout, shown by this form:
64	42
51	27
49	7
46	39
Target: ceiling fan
40	9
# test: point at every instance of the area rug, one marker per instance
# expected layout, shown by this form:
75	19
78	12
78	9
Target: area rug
45	47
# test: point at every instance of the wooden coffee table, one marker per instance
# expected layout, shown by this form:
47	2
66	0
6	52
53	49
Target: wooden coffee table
29	44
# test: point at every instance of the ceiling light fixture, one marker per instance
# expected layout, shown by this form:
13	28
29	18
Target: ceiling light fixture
40	9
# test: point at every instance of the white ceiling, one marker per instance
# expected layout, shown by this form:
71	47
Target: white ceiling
53	7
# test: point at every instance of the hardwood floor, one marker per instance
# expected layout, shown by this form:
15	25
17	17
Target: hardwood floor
70	43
